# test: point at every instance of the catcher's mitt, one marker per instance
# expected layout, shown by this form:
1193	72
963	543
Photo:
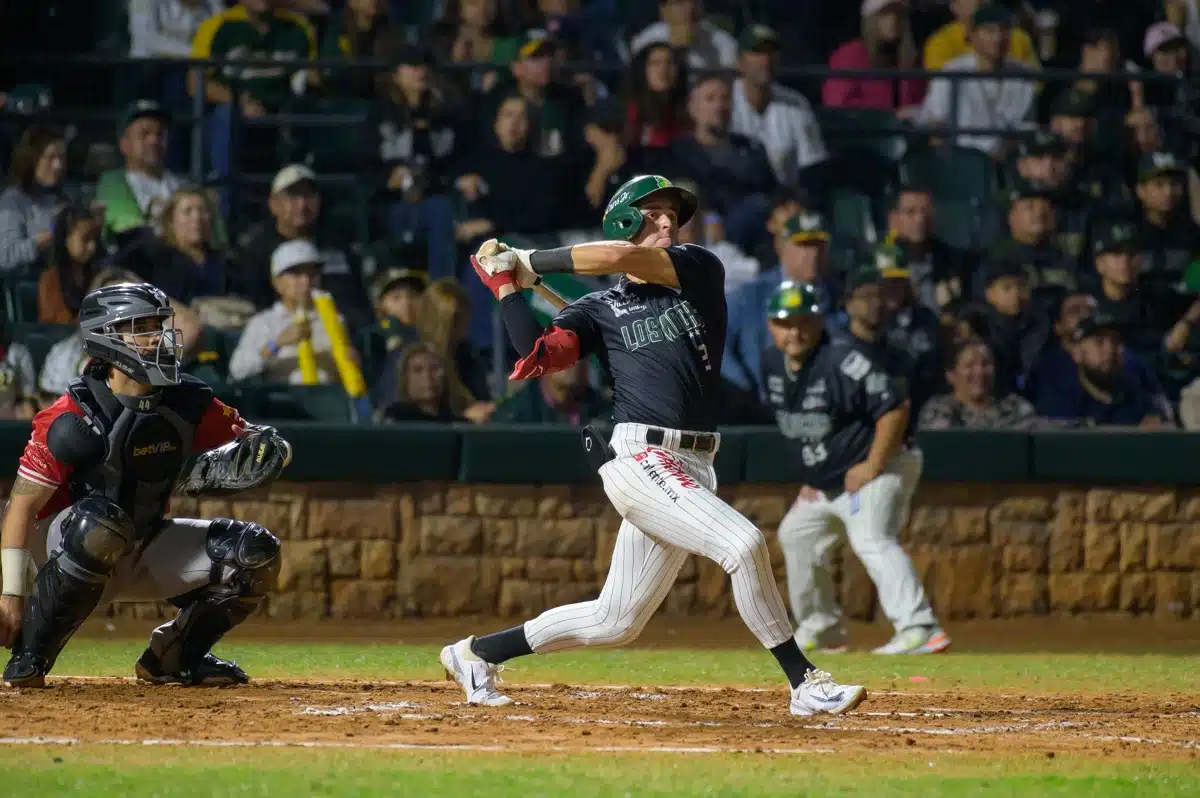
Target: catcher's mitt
256	458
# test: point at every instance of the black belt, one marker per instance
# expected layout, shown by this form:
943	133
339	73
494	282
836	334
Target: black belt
704	442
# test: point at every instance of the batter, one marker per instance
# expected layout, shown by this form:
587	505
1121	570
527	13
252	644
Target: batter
659	334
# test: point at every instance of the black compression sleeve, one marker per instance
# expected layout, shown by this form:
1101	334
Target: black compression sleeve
550	261
523	329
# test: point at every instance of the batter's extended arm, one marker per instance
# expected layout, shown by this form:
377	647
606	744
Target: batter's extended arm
601	258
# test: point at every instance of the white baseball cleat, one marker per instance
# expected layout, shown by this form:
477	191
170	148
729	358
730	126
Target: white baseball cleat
477	677
919	640
819	694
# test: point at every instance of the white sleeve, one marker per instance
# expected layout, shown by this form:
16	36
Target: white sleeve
726	47
61	366
23	363
1019	110
146	36
247	359
936	108
810	145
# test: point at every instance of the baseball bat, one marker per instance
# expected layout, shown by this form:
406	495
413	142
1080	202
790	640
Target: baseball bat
547	293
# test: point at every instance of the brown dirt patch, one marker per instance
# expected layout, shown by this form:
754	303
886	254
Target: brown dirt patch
562	717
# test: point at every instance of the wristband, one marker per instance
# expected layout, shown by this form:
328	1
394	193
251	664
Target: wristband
550	261
15	565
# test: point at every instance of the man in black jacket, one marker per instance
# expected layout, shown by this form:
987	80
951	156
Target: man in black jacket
938	271
733	171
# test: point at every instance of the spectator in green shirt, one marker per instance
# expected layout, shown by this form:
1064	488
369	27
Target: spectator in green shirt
252	30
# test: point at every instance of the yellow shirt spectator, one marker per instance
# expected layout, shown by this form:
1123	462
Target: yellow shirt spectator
950	42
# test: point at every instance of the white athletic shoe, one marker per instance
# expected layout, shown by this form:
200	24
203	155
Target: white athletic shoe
919	640
819	694
477	677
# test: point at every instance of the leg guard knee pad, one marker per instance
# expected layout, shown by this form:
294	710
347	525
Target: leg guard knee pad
96	535
245	560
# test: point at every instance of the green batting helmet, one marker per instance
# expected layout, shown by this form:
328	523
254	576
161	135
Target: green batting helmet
791	299
623	220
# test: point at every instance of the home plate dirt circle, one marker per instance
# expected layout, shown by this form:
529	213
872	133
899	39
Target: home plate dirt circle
560	717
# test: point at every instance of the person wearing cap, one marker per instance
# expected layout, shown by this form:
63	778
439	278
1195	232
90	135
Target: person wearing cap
1137	305
1073	119
1100	392
731	170
295	207
938	271
396	296
556	109
269	345
886	43
802	250
1168	52
682	24
910	326
866	320
780	119
1032	242
1170	238
134	195
983	103
845	418
420	127
953	40
1015	328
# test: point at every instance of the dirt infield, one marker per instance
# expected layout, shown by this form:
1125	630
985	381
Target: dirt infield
576	717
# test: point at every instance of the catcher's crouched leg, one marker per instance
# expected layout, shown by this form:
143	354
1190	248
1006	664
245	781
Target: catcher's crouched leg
245	559
96	535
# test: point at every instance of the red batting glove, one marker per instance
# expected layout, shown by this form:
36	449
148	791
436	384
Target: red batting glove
496	281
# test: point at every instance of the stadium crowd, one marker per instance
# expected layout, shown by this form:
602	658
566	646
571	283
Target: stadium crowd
1028	243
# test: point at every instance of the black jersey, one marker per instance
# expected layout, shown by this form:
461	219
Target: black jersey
662	347
828	409
901	367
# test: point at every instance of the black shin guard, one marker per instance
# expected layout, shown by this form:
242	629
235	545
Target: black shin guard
59	604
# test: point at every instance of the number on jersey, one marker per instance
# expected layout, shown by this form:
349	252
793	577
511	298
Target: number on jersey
813	454
855	366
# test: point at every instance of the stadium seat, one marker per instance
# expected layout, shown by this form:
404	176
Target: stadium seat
851	213
331	146
25	301
960	224
952	173
301	403
40	338
855	129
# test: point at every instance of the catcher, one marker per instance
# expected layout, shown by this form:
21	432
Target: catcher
86	519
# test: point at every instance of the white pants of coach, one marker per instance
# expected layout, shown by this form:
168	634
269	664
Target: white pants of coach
667	498
872	520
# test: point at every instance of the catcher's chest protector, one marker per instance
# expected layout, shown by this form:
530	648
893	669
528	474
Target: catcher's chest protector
147	442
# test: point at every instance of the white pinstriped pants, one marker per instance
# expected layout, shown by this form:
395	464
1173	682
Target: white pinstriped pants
670	509
872	520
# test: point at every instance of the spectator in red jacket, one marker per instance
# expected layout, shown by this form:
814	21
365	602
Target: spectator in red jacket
886	43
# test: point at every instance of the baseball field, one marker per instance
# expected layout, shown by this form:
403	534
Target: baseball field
1065	708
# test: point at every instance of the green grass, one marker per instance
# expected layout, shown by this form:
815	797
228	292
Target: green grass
98	772
1024	673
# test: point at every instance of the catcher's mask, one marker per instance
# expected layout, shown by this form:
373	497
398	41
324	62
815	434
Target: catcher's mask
131	326
623	217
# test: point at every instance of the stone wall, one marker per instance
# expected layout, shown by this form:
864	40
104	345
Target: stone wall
982	551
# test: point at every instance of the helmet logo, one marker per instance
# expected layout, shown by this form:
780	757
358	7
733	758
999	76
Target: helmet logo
662	182
792	299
